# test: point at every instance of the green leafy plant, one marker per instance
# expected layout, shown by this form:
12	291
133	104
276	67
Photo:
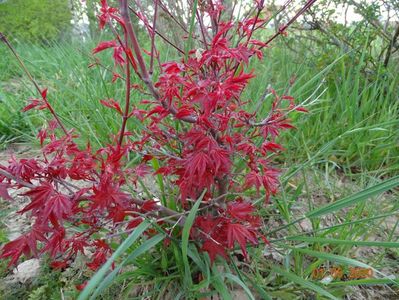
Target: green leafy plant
35	20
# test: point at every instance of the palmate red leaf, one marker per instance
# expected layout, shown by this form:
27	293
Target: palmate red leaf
207	224
111	103
108	194
240	234
100	256
253	179
56	243
197	164
150	205
35	103
221	160
240	210
269	180
184	112
38	195
213	249
104	45
78	244
58	205
118	56
16	248
24	168
276	123
271	147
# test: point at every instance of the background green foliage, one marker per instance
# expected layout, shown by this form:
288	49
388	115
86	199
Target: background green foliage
34	19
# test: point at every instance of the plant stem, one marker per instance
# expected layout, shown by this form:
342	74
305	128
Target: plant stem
391	45
292	20
191	30
127	99
154	25
159	34
16	179
143	69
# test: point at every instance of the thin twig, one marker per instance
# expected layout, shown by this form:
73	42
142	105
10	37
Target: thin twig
154	25
16	179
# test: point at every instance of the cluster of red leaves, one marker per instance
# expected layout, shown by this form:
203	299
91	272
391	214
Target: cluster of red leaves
236	224
219	147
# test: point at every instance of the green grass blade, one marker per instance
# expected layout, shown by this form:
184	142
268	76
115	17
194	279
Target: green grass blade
371	281
219	285
161	185
186	235
340	259
238	281
144	247
147	245
304	283
191	30
98	277
353	199
106	282
344	242
333	257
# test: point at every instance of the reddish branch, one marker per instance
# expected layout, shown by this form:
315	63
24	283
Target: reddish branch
163	210
154	25
143	69
125	116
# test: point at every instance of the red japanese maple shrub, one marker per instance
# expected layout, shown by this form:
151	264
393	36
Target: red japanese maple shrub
196	128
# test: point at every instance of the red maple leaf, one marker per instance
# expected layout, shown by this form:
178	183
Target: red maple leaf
270	180
253	178
276	123
16	248
111	103
240	210
241	234
35	103
108	194
213	248
104	45
118	56
197	164
270	146
58	205
39	196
